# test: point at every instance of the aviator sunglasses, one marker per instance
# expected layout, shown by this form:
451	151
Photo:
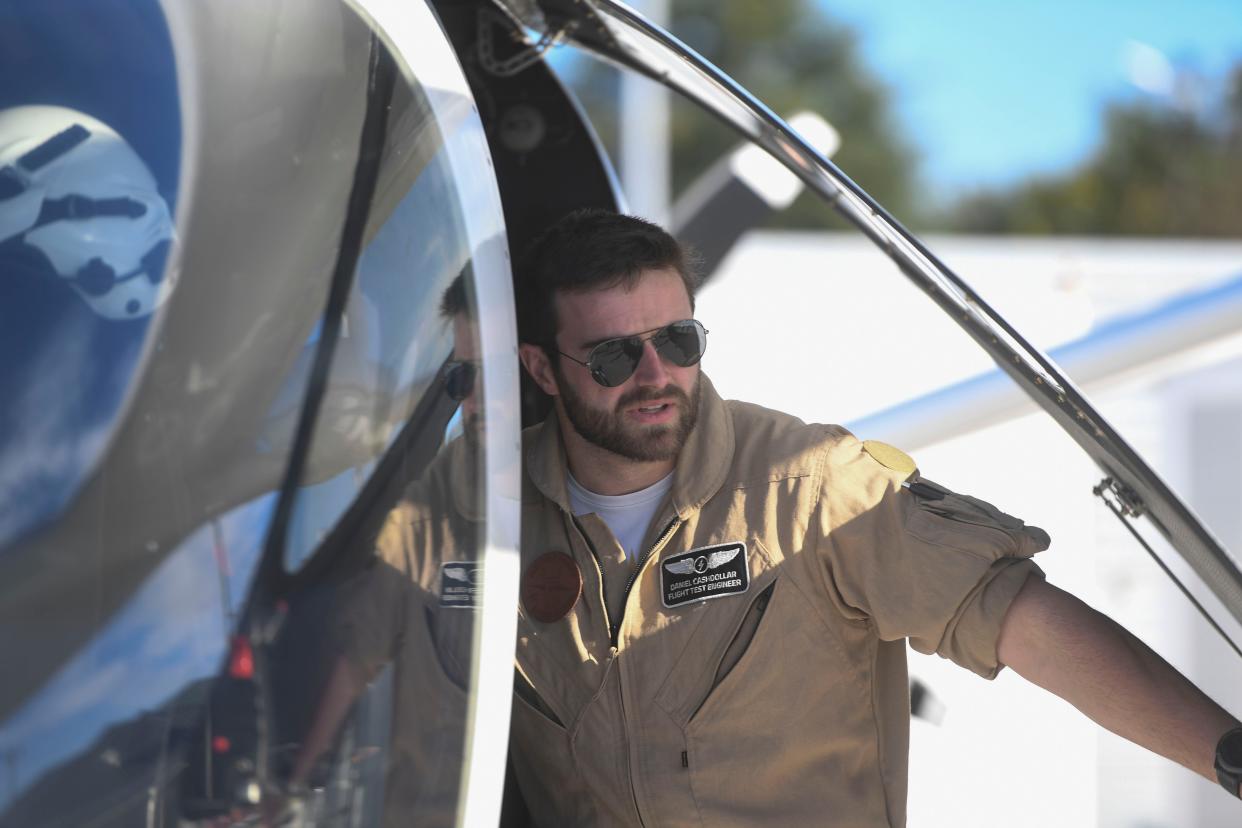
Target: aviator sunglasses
613	361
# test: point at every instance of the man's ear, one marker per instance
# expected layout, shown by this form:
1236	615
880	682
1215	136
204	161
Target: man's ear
537	364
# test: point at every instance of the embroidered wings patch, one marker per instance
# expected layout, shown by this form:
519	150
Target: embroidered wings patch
700	574
459	584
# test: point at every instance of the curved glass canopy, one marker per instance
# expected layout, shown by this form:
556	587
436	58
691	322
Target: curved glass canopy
620	35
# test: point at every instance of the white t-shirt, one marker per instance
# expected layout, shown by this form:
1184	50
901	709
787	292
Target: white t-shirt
627	515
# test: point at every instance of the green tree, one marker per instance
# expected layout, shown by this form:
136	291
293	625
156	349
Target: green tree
791	57
1159	171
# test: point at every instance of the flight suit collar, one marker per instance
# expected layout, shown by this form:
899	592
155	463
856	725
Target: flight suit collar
702	466
545	461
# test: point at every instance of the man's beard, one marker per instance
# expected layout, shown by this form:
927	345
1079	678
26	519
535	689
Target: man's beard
472	432
608	429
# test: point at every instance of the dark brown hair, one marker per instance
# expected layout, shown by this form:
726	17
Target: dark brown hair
591	250
455	300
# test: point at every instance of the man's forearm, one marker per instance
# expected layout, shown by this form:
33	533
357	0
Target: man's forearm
343	687
1052	639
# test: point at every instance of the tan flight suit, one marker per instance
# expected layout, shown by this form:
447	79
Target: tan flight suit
783	703
405	610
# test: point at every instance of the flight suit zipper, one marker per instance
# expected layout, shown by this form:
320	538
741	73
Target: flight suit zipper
625	718
615	629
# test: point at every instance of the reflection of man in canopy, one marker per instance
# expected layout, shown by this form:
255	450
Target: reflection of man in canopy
412	608
461	374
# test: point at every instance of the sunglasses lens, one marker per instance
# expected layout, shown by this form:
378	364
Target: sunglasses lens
459	380
682	343
613	362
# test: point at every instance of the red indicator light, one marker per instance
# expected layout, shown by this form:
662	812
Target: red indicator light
221	744
241	659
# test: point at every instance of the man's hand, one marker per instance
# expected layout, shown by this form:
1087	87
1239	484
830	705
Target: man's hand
1052	639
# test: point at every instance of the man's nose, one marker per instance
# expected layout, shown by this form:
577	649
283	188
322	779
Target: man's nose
651	370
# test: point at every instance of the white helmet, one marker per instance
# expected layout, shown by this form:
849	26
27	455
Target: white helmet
72	189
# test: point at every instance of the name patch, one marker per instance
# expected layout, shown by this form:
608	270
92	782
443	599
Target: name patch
459	584
709	572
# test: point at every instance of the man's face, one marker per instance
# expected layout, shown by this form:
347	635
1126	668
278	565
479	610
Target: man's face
649	416
466	349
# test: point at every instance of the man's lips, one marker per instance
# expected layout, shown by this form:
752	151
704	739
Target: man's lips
654	403
652	410
653	406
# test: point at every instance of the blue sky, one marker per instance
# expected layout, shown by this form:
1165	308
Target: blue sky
991	91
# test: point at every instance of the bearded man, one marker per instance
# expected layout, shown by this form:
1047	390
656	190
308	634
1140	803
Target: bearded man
716	597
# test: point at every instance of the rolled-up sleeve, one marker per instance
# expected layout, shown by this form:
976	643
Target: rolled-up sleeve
940	569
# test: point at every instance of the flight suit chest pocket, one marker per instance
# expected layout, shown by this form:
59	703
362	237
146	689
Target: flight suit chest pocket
525	691
722	640
450	639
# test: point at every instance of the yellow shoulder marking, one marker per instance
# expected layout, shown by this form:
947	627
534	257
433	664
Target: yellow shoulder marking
890	457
